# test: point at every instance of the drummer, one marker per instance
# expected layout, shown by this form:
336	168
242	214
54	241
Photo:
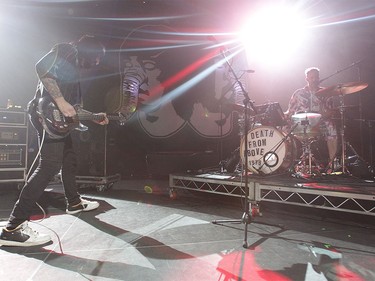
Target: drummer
305	100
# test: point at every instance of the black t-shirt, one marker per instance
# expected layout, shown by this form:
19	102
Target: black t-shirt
61	64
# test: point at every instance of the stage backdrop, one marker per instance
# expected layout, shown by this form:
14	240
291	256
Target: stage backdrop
177	95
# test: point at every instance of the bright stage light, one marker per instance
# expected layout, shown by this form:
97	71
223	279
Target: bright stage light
273	34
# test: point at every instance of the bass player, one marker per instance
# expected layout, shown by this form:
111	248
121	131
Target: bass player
59	79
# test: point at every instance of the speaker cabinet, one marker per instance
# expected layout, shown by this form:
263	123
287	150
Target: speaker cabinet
96	150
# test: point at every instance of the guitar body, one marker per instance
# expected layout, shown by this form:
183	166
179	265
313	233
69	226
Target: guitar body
58	126
53	121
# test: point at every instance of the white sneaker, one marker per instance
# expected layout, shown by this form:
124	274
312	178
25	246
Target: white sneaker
84	206
22	236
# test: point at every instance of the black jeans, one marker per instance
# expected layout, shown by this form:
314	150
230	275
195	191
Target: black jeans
55	156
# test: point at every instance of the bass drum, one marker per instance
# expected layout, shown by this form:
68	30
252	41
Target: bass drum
268	150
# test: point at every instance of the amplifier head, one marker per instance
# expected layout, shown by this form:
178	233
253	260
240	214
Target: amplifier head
10	117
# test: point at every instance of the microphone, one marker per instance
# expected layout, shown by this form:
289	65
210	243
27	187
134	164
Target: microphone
357	62
220	45
248	70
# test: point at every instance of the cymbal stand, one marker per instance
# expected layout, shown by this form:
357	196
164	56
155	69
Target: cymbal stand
221	161
343	148
370	125
247	215
342	135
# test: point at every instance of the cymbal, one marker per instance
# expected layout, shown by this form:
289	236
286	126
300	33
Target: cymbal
306	115
237	107
341	89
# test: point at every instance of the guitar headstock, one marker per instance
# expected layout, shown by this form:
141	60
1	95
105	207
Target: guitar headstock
121	119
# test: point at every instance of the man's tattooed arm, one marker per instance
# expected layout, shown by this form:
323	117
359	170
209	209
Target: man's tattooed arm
53	89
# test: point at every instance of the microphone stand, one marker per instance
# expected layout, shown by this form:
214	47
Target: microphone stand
340	70
247	215
222	163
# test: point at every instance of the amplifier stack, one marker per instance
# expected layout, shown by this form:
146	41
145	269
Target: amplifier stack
13	145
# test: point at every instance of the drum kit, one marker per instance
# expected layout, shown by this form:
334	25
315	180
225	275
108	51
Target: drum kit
273	150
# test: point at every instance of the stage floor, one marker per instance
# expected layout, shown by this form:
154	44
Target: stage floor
140	233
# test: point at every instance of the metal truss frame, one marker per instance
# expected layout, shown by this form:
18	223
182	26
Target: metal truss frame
224	187
318	198
322	198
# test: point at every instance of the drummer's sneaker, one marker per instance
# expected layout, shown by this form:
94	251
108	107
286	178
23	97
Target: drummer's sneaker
22	236
334	167
83	206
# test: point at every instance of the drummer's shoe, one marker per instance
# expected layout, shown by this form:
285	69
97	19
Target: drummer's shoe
333	167
330	170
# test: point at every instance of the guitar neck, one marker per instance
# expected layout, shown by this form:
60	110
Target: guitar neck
95	117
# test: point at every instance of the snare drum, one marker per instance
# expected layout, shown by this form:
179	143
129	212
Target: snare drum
268	150
307	125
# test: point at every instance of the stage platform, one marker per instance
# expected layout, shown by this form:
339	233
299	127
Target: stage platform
338	192
140	233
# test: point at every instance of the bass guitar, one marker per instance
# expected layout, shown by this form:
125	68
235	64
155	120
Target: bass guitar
58	126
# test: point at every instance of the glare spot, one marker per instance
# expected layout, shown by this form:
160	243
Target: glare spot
273	34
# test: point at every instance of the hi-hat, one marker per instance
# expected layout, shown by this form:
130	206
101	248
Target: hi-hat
341	89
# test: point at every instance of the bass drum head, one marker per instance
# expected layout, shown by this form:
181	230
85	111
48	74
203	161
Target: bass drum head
267	151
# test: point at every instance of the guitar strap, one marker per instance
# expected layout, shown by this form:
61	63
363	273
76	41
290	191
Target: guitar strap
80	93
32	108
